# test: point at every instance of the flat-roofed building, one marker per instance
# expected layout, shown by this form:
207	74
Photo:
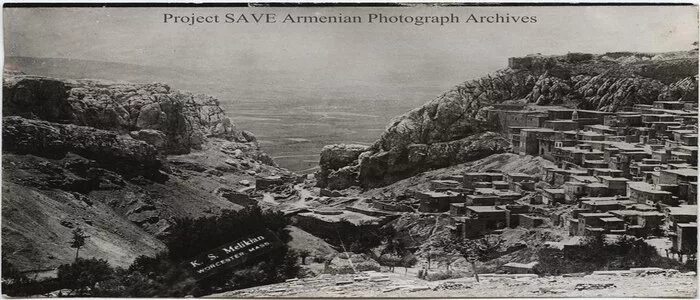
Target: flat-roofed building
551	196
529	143
500	185
613	224
683	179
642	192
605	172
650	219
573	190
627	215
444	185
603	204
493	217
674	105
561	125
615	185
686	238
601	129
437	201
472	177
596	189
481	200
682	214
457	209
586	220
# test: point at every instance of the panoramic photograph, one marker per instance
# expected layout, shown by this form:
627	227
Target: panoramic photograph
333	151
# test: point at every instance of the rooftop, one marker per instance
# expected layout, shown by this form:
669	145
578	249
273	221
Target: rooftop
584	178
625	212
483	209
611	219
682	172
598	126
604	202
517	174
595	215
610	178
439	194
646	187
687	225
446	181
687	210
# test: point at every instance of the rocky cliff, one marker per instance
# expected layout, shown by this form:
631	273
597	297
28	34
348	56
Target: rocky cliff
172	121
122	161
453	127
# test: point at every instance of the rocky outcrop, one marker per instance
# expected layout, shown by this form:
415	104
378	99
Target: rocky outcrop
445	130
334	158
685	90
111	150
379	169
183	119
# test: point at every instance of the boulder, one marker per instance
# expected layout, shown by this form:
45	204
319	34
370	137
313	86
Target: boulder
335	157
268	182
331	193
343	178
239	198
153	137
36	97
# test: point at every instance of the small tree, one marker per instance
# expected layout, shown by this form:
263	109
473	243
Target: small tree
304	254
390	260
408	261
78	240
438	247
476	250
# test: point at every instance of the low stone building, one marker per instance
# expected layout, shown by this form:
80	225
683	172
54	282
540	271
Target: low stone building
493	217
437	201
642	192
551	196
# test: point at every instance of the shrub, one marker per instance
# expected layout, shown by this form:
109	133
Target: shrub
367	266
442	275
16	284
595	254
83	274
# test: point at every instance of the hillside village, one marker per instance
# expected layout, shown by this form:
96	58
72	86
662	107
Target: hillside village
620	173
632	172
528	167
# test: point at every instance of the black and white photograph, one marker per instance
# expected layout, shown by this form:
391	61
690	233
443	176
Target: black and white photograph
349	150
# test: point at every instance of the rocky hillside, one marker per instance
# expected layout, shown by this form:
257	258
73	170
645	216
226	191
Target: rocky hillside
453	127
122	161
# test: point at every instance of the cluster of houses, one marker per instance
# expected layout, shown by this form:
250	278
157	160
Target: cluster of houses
628	172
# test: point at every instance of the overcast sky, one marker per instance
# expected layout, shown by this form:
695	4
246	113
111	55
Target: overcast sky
327	52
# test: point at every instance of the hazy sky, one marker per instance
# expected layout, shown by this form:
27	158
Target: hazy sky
330	52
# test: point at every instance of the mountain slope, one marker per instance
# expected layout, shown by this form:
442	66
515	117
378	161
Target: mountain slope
607	82
121	161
